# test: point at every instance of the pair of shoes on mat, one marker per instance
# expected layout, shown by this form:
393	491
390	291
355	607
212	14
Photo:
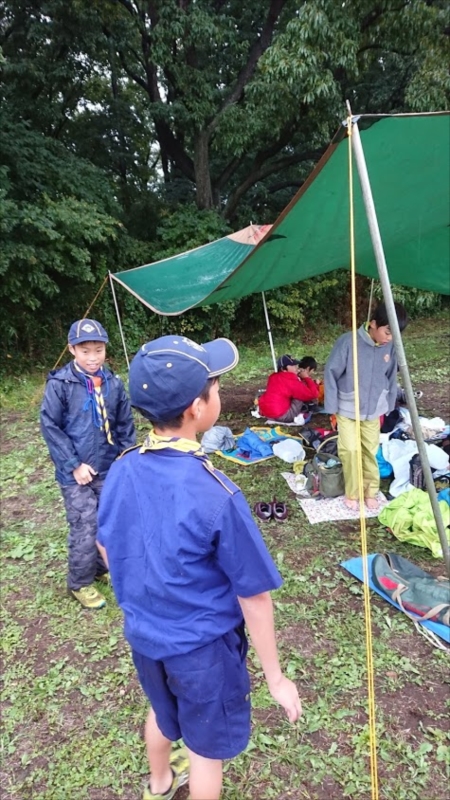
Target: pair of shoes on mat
88	597
274	510
179	764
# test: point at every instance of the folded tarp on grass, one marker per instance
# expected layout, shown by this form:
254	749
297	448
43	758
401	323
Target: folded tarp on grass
355	567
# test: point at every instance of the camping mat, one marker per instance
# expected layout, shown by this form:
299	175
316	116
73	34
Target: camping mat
270	435
355	567
333	509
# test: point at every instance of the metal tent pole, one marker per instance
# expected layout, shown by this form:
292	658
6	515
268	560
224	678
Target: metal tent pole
119	320
369	310
396	335
269	332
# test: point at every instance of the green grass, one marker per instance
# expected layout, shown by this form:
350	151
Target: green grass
73	712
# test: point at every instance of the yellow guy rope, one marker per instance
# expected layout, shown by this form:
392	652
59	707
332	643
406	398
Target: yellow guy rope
367	614
83	317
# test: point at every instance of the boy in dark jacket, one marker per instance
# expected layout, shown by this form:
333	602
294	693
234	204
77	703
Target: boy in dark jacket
86	422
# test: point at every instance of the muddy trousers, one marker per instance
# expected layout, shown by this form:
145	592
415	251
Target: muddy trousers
85	561
370	440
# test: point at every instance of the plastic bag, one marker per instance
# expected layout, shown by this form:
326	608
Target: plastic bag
217	438
289	450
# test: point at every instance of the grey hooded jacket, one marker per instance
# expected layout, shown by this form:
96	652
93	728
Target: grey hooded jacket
377	370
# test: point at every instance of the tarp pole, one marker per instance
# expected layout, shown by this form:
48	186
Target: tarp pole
269	332
396	335
119	320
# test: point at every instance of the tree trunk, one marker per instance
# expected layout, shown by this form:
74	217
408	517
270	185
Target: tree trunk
204	197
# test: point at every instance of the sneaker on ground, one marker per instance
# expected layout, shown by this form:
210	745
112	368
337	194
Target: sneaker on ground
179	762
418	394
88	597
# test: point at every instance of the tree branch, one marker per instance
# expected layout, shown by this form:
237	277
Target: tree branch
263	172
258	48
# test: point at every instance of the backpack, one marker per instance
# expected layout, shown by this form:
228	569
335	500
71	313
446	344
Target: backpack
418	593
323	480
328	444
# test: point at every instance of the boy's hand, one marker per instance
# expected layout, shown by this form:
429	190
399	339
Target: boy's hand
285	693
84	474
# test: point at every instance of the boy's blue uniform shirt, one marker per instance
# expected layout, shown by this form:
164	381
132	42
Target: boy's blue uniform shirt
181	545
68	429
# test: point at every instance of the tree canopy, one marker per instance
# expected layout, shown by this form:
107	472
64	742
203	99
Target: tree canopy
119	114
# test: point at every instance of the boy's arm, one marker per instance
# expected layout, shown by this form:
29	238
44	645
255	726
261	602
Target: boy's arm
124	428
60	446
334	368
305	389
258	615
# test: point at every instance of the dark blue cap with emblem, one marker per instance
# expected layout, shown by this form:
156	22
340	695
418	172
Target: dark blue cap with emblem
166	375
87	330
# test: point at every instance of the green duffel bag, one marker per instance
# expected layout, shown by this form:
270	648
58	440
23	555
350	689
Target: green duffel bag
418	593
323	480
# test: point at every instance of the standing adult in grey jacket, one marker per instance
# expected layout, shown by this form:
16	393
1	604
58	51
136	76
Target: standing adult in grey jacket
377	385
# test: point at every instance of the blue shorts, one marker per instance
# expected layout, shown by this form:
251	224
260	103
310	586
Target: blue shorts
202	697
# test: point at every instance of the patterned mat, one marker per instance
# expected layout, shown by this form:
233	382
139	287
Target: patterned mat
334	509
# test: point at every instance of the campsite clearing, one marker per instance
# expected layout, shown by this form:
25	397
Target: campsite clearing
72	710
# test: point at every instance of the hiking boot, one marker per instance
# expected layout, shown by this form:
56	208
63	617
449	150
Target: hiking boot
88	597
179	763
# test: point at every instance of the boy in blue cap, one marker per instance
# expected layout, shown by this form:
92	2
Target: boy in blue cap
86	421
188	566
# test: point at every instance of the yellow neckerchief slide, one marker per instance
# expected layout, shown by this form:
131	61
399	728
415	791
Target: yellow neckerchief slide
154	442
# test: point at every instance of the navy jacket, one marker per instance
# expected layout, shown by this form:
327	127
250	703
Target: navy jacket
69	431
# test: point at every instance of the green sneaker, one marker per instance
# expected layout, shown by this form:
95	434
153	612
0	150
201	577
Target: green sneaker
179	763
88	597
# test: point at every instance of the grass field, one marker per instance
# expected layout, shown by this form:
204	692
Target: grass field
72	710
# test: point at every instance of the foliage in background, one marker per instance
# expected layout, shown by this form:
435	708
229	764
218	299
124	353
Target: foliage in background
131	131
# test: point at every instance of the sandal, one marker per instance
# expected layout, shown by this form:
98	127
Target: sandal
263	511
179	764
279	510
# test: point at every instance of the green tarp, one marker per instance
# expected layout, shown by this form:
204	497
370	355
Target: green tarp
408	164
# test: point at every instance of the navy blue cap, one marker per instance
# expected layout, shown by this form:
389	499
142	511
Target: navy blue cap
87	330
166	375
287	361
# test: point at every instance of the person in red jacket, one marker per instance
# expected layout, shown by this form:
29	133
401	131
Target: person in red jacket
287	391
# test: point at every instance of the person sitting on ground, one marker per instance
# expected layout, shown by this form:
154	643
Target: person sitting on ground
306	367
86	421
188	565
377	372
287	392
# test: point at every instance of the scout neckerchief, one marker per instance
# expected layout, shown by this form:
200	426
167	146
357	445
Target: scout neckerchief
155	442
96	401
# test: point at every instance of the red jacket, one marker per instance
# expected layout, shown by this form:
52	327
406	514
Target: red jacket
282	388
